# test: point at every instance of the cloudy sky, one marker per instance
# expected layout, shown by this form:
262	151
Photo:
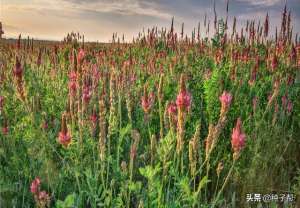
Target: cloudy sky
98	19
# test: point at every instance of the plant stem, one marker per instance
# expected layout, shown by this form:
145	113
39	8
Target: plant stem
215	192
207	173
224	184
161	132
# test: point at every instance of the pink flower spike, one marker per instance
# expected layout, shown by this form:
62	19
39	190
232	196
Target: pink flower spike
94	118
5	130
146	104
183	100
35	185
289	106
172	108
147	100
18	70
73	76
284	101
225	99
64	138
43	196
87	93
1	102
238	137
80	56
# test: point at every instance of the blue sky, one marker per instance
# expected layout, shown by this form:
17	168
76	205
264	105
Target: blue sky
98	19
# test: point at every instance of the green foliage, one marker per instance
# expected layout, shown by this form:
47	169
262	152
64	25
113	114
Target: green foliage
212	92
69	202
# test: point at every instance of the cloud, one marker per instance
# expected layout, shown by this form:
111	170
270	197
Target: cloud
123	7
261	2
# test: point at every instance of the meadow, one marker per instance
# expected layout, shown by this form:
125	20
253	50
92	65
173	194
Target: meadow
167	120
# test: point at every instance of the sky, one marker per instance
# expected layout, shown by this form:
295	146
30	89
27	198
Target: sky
99	19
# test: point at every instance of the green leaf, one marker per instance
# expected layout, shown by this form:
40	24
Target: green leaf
203	182
70	200
59	204
68	203
125	130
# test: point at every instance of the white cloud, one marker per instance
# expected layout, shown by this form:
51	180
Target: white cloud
123	7
262	2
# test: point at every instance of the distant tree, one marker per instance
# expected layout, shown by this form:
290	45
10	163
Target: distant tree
1	30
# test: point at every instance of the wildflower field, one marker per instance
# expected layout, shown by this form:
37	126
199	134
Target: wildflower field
168	120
